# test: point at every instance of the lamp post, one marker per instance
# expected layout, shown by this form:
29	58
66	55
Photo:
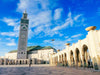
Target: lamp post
52	42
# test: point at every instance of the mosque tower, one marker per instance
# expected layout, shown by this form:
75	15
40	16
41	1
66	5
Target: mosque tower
23	36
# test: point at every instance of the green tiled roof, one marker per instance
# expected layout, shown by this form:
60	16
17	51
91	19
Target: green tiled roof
34	48
13	51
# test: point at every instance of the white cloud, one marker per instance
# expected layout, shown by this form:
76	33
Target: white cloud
47	41
76	17
30	33
58	13
78	35
12	34
30	43
71	21
10	22
14	23
40	16
12	43
66	36
69	39
35	6
8	38
68	22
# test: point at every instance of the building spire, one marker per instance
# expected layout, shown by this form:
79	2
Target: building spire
25	11
25	14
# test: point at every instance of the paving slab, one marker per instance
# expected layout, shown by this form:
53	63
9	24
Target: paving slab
45	70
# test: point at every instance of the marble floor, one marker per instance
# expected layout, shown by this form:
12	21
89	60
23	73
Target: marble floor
45	71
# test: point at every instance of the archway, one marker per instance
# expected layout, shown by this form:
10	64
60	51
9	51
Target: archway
71	58
62	59
77	57
16	61
65	59
59	58
20	62
56	60
86	59
23	61
26	62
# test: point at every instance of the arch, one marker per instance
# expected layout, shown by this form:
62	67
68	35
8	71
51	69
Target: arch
23	61
3	61
20	62
86	59
77	57
65	59
16	61
62	57
26	62
59	58
12	62
71	58
56	58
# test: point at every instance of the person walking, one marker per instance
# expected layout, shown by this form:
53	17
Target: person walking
30	64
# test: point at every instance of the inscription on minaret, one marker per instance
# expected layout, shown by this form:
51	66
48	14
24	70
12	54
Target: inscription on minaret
23	36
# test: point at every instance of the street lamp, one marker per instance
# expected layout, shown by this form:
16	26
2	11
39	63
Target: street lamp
52	42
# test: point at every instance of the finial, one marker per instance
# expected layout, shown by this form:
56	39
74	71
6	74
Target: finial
58	50
25	11
67	44
90	28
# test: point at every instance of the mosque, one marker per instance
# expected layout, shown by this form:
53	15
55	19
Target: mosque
24	54
84	53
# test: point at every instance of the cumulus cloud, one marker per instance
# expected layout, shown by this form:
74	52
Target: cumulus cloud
12	34
40	15
10	22
12	43
14	23
41	19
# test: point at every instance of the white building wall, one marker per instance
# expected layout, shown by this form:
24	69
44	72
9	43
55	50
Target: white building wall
41	54
11	55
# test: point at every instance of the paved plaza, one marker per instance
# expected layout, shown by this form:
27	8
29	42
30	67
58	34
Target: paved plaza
45	70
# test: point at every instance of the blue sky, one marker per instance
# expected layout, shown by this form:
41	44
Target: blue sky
62	20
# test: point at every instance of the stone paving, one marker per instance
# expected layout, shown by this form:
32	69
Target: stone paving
45	70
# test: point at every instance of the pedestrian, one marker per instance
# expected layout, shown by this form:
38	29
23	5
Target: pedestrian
29	64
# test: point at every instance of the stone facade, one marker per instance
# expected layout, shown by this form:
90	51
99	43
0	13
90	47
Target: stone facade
23	36
85	52
33	57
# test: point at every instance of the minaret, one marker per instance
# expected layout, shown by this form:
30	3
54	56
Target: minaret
23	36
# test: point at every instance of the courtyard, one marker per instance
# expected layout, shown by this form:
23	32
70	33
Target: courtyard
46	70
